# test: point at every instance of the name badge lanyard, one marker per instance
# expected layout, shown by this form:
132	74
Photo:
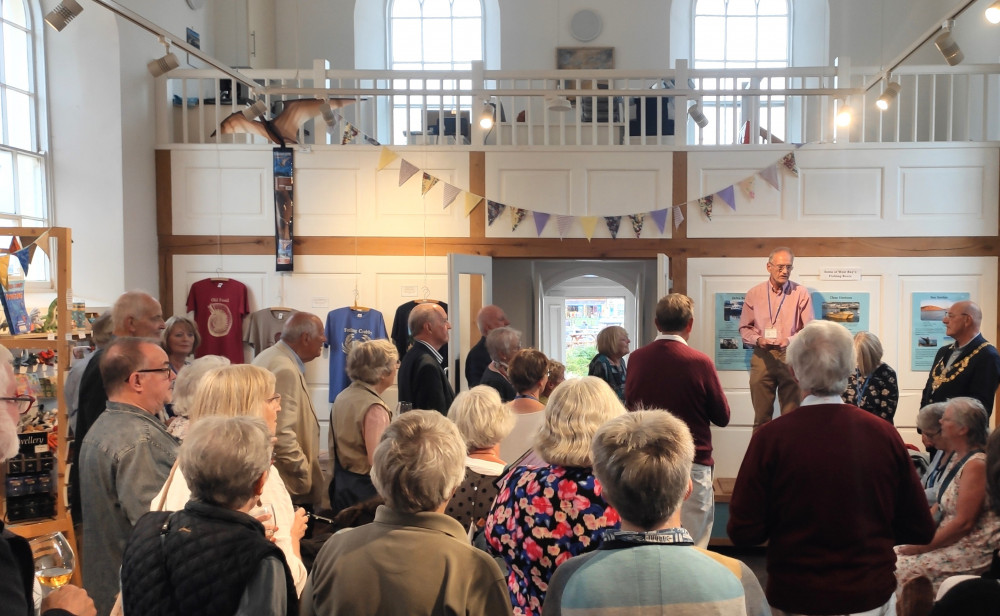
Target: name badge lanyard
863	390
774	317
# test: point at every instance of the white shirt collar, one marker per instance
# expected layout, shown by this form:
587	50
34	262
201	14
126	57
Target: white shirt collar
811	400
673	337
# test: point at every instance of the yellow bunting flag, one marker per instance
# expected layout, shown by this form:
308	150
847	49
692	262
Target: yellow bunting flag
589	223
385	157
4	264
471	201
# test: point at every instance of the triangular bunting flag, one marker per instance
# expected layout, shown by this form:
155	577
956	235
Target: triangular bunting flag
706	205
22	256
385	157
4	264
788	161
589	223
727	195
747	186
493	211
636	220
471	201
516	216
350	132
660	218
541	219
678	216
770	175
450	194
613	222
427	183
42	241
563	223
406	171
31	252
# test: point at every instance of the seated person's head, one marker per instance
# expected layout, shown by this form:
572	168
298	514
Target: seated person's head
482	418
225	460
575	410
419	463
643	461
822	358
527	369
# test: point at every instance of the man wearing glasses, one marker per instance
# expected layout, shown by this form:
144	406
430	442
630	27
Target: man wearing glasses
773	312
969	367
124	459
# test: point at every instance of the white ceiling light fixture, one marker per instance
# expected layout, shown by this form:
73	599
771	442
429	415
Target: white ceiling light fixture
164	65
254	111
891	91
585	25
946	44
697	114
845	115
993	13
486	115
65	12
561	104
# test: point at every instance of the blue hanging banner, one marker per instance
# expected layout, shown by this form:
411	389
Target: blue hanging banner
284	209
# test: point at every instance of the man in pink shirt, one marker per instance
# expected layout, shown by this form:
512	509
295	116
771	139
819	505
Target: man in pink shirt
773	312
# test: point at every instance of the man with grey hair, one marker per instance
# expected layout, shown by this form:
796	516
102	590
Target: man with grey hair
693	393
968	367
773	312
489	318
422	379
124	459
296	452
830	519
643	461
418	558
137	314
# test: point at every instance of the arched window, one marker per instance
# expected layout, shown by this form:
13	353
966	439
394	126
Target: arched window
433	35
22	163
741	33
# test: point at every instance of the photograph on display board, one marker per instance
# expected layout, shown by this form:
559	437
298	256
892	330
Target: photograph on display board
730	351
928	329
849	309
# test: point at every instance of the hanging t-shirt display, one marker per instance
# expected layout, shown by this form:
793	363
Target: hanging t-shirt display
264	327
401	332
344	327
219	305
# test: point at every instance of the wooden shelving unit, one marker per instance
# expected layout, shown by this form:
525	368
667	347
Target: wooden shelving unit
60	254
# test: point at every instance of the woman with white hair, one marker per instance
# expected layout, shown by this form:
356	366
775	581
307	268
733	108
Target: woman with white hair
545	514
358	418
607	365
412	559
234	391
212	557
184	388
873	386
502	344
968	530
929	426
483	421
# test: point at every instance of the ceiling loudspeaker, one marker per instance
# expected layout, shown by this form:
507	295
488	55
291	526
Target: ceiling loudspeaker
585	25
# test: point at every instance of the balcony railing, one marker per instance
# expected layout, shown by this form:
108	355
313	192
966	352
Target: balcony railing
595	108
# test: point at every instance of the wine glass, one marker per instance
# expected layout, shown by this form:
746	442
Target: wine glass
54	560
266	511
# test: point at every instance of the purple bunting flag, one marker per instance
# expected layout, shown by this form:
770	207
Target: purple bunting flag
541	219
660	218
727	195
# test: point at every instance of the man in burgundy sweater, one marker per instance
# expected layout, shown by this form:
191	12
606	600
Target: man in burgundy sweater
668	374
831	488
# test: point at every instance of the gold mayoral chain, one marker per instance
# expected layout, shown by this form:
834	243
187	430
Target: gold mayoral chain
937	374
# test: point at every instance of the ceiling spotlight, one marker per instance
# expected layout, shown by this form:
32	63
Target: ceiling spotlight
64	13
844	114
486	115
993	13
255	110
326	111
947	46
696	114
164	65
888	96
557	103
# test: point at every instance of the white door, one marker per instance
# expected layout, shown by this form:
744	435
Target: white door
663	282
470	287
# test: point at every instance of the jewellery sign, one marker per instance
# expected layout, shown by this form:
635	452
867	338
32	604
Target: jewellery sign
928	331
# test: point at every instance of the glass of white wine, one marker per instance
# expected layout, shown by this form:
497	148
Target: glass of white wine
54	560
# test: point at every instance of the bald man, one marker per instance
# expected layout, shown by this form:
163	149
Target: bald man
968	367
489	318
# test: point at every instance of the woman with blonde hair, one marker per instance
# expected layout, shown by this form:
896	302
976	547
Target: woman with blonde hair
545	514
179	339
607	365
358	418
873	386
244	390
529	375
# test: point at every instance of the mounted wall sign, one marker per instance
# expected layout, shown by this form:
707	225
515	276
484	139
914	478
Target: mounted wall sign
585	25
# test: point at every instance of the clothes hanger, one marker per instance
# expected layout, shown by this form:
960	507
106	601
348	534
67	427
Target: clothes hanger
218	276
425	299
356	306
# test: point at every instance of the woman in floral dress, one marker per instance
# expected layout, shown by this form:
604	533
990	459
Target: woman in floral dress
545	514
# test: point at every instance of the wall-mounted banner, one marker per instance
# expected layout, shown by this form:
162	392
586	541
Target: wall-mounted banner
730	353
284	209
849	309
928	330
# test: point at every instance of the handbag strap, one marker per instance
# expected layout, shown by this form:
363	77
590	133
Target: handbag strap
954	471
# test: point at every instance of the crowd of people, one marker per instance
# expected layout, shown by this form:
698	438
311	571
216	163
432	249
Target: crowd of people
526	494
